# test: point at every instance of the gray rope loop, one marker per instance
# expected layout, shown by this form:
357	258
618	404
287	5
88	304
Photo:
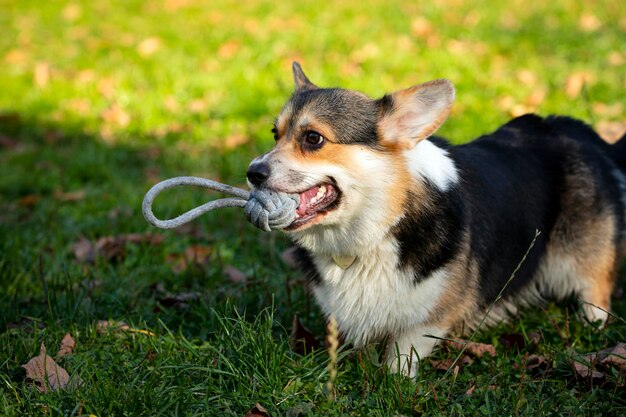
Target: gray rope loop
268	210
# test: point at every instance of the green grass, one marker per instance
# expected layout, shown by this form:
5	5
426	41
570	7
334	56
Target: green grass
105	98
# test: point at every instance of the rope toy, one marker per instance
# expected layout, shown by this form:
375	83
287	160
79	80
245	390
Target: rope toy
268	210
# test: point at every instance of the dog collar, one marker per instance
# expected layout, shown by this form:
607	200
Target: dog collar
344	262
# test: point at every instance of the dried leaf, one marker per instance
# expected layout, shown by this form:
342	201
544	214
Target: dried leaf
228	49
586	370
68	344
470	390
615	356
148	46
611	131
180	300
45	373
537	363
29	200
108	325
445	364
8	142
41	74
110	247
77	195
477	350
235	275
576	81
518	341
589	22
116	116
197	255
257	411
302	340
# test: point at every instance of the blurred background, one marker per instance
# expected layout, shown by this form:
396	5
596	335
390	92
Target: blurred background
101	99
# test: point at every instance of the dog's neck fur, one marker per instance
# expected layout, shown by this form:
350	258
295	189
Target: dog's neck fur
364	233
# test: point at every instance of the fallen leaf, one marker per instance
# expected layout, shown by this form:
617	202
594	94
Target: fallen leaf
589	22
68	344
526	77
518	341
115	115
41	74
302	341
445	364
537	363
611	131
470	390
228	49
196	255
71	12
586	370
148	46
615	58
179	300
29	200
475	349
421	27
576	81
108	325
110	247
235	275
45	373
615	356
70	195
8	142
257	411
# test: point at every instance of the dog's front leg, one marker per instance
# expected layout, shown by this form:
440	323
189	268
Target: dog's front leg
405	350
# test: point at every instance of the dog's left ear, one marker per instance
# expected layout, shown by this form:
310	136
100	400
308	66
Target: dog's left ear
408	116
301	81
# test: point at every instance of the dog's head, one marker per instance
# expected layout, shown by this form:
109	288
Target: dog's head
343	153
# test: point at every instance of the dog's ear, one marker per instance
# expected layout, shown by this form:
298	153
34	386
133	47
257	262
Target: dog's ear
408	116
301	81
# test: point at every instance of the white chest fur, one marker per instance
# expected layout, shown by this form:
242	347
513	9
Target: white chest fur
373	298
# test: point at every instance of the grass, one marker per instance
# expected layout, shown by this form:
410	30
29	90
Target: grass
101	99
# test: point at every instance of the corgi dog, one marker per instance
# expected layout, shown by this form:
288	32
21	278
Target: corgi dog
408	239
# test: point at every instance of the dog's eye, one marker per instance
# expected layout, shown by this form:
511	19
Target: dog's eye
314	139
275	133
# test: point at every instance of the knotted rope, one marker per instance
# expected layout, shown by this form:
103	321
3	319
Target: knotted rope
268	210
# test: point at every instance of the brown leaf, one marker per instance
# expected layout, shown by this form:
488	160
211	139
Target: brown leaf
235	275
302	340
76	195
228	49
611	131
110	247
586	370
179	300
45	373
615	356
29	200
41	74
8	142
197	255
518	341
68	344
445	364
589	22
537	363
477	350
576	81
257	411
470	390
115	115
107	325
148	46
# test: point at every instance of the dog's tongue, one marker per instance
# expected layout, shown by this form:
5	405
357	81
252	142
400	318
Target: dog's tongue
305	198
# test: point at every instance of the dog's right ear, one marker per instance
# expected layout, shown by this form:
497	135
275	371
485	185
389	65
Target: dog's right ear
301	81
408	116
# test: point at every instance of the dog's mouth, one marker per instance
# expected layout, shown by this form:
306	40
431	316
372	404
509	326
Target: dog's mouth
315	202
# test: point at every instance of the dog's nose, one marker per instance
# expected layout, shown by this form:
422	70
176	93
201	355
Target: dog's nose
258	173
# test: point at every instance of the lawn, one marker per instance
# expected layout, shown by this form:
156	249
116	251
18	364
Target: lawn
100	100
